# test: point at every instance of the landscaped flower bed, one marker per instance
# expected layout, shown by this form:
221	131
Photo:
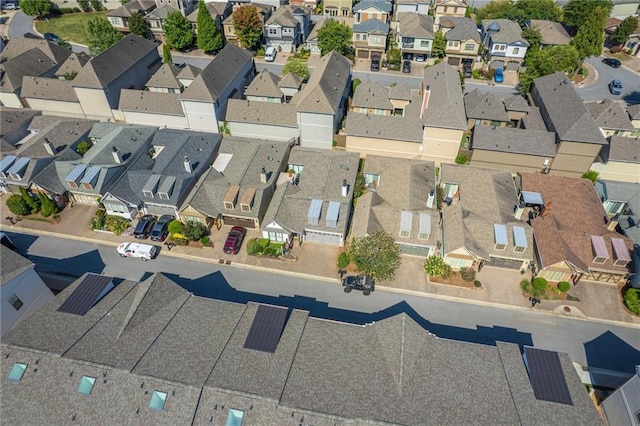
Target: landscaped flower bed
262	247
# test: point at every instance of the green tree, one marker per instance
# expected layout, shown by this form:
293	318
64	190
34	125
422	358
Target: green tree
576	12
193	230
436	267
297	67
247	25
137	25
101	35
625	29
178	32
525	10
547	61
334	35
496	9
96	5
33	203
533	36
394	57
48	206
590	37
209	37
17	205
376	255
38	8
592	175
83	147
166	53
84	5
439	45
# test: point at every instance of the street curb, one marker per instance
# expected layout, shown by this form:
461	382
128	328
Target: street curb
332	280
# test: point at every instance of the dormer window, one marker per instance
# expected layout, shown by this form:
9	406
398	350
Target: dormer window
231	197
600	249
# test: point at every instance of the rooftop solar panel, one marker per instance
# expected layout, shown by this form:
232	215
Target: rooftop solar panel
86	294
500	233
519	236
7	162
266	329
546	376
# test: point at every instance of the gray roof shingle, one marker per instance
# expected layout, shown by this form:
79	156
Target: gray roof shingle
484	106
552	32
623	149
264	84
323	92
464	29
371	26
415	25
48	88
13	265
445	106
150	102
517	141
266	113
508	31
166	77
371	94
609	114
381	5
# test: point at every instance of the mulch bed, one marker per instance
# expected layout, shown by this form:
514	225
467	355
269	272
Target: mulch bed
454	279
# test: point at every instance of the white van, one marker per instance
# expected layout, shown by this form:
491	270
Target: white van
270	54
142	251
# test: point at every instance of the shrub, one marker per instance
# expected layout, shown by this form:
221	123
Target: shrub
434	265
354	84
101	212
205	240
468	274
17	205
564	286
540	284
179	240
253	248
116	224
174	227
461	159
83	146
98	222
477	283
48	206
592	175
193	230
33	203
632	300
343	260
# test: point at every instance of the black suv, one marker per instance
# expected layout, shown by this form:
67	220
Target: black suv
467	70
359	282
160	229
375	63
144	226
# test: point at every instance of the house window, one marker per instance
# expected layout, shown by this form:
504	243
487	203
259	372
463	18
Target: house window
519	249
516	50
469	47
115	21
297	168
357	37
158	400
230	27
372	180
455	262
154	24
364	37
424	43
187	218
115	208
423	236
276	236
599	260
554	275
272	31
17	371
15	302
86	385
500	246
614	207
405	233
446	9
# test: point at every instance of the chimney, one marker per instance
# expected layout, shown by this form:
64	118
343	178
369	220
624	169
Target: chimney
48	146
345	188
117	157
546	209
187	165
431	198
263	176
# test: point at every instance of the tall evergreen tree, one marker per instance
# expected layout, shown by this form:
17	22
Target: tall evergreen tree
137	25
590	37
178	31
209	37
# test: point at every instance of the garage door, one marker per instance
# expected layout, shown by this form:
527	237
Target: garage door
160	210
237	221
504	263
363	54
414	251
322	237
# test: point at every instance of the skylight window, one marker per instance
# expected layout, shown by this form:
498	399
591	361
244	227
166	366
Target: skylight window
234	418
86	385
158	400
17	371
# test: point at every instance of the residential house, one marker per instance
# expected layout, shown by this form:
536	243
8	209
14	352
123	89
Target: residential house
612	118
128	64
337	7
312	38
632	45
159	183
86	179
157	16
414	35
400	200
119	17
165	79
623	405
188	74
463	40
619	160
426	124
22	291
479	227
420	7
514	149
264	88
314	202
237	189
485	108
219	11
504	42
634	115
264	12
287	28
578	138
446	9
311	4
27	57
372	98
204	102
573	239
72	66
517	109
138	337
48	137
322	102
15	124
51	96
553	33
371	27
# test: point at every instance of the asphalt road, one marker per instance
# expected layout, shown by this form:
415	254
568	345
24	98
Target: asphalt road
20	25
605	346
600	89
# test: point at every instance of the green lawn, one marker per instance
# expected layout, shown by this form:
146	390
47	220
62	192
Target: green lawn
71	27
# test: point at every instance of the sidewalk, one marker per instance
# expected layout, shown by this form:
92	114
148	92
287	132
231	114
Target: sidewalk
500	287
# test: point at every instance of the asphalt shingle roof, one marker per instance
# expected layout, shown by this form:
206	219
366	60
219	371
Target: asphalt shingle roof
33	62
445	107
563	111
517	141
609	114
267	113
12	264
264	84
415	25
20	45
624	149
552	32
464	29
371	26
48	88
484	106
381	5
371	94
74	63
166	77
323	92
150	102
508	31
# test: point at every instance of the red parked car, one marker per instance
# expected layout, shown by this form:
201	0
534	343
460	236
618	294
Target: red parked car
234	240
